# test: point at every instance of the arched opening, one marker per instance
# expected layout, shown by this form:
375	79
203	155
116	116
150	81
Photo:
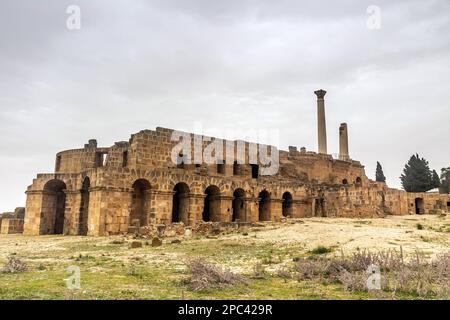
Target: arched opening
358	182
84	208
180	203
140	203
420	209
211	209
264	206
345	182
287	204
53	207
239	205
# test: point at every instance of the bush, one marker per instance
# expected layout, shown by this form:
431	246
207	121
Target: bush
14	265
417	276
208	276
321	250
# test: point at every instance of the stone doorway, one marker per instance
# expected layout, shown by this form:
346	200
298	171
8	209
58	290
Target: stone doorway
264	206
211	208
420	209
239	205
287	204
180	203
53	207
140	203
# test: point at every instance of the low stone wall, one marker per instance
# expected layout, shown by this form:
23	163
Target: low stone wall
200	229
11	226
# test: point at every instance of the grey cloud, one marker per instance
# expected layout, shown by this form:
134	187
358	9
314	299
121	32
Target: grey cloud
247	64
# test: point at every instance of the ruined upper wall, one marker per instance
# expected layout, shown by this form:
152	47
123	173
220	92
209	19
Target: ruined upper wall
79	160
157	149
321	168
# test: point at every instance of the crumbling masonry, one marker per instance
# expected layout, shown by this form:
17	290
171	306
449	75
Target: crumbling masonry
105	191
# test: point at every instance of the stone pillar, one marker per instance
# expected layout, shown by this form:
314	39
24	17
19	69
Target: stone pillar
226	208
343	142
72	212
321	123
276	210
196	204
33	218
252	209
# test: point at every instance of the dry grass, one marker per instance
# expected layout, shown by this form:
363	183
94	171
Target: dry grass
14	265
414	276
204	276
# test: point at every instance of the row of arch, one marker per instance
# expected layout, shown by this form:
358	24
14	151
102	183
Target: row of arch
54	205
211	207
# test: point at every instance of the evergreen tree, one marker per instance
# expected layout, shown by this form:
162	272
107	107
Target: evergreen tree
379	174
436	181
445	180
417	176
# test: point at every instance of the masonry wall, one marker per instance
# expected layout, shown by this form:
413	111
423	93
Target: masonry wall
318	185
11	226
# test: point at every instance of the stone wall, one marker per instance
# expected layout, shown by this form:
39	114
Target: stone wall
11	226
137	184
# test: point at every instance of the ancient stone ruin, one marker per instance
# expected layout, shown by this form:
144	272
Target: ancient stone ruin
137	184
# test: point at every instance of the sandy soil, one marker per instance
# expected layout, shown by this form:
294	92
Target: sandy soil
345	235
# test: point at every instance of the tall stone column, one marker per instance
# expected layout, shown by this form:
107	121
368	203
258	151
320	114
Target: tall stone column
321	123
343	142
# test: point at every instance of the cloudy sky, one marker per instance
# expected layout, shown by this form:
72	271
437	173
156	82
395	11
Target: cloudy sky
227	65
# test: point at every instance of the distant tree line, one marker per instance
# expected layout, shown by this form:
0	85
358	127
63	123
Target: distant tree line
418	177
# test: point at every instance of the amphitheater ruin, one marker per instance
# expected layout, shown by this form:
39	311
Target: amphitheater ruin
121	189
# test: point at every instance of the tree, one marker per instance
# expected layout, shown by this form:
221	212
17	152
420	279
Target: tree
417	176
379	174
435	180
445	180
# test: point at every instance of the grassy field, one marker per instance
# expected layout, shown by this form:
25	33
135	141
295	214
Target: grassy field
110	269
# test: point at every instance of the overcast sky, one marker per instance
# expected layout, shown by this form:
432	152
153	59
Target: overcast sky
137	65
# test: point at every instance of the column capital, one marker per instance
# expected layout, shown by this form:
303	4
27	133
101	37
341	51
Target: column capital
320	94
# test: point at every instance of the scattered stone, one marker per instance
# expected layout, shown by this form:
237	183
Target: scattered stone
160	230
136	244
188	233
156	242
176	241
117	242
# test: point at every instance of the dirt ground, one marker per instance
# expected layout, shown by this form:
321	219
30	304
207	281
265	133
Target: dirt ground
109	264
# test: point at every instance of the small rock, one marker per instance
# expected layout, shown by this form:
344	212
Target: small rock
188	233
136	244
161	229
156	242
176	241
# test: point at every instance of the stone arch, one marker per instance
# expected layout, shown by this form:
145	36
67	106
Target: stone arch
287	204
140	203
239	205
180	203
211	208
345	182
264	205
358	182
53	207
84	207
